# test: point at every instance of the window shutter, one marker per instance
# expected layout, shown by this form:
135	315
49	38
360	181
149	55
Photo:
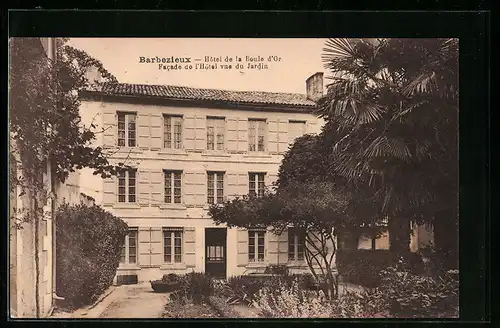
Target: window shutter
282	136
232	185
156	185
144	237
283	247
242	134
273	136
200	133
143	130
242	188
189	133
272	248
232	134
271	178
156	131
109	191
143	187
189	192
156	247
190	247
110	126
242	235
200	188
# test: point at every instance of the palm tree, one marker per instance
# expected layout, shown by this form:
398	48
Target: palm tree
392	115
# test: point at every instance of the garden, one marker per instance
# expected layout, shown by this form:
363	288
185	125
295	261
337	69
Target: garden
395	292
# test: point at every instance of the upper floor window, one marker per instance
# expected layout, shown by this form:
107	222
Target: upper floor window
126	129
215	133
295	129
172	245
296	244
126	186
256	135
172	132
173	186
129	248
256	184
256	245
215	187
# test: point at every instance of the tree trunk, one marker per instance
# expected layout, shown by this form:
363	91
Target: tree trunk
399	236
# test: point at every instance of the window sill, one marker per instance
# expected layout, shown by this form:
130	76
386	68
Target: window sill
297	264
172	206
126	205
132	150
257	265
173	266
257	155
166	151
214	153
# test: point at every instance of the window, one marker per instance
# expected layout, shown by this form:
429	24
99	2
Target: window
215	133
126	186
256	135
215	187
172	245
256	184
256	249
172	130
173	185
129	248
295	129
126	129
296	245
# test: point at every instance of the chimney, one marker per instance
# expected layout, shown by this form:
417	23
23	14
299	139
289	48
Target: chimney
314	87
94	76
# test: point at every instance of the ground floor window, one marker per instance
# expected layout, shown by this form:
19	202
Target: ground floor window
129	249
296	244
256	245
172	245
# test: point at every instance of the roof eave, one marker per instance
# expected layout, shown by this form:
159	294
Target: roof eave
185	102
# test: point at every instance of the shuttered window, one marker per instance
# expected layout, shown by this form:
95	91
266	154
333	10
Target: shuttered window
256	184
256	135
172	132
256	245
127	186
215	187
173	187
296	244
215	133
127	133
129	248
172	245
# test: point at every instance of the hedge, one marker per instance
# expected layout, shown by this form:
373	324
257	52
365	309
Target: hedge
363	266
89	242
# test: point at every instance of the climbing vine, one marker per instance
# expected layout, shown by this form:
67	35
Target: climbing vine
46	127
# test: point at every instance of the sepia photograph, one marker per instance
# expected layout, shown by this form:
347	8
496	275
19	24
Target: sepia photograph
233	178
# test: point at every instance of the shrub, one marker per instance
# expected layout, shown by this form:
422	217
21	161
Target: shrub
284	301
89	243
363	267
276	269
409	295
194	287
242	289
223	308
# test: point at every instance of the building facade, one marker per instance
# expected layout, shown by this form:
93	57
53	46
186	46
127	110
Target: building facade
191	148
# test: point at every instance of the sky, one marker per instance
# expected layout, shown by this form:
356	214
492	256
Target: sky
298	59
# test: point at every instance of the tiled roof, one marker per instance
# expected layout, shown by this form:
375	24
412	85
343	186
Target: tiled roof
179	92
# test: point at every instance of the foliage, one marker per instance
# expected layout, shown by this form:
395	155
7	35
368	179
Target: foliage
409	295
223	308
167	284
316	208
364	267
285	302
276	269
89	241
194	287
391	116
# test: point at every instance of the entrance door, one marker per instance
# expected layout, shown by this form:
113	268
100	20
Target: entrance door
215	252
